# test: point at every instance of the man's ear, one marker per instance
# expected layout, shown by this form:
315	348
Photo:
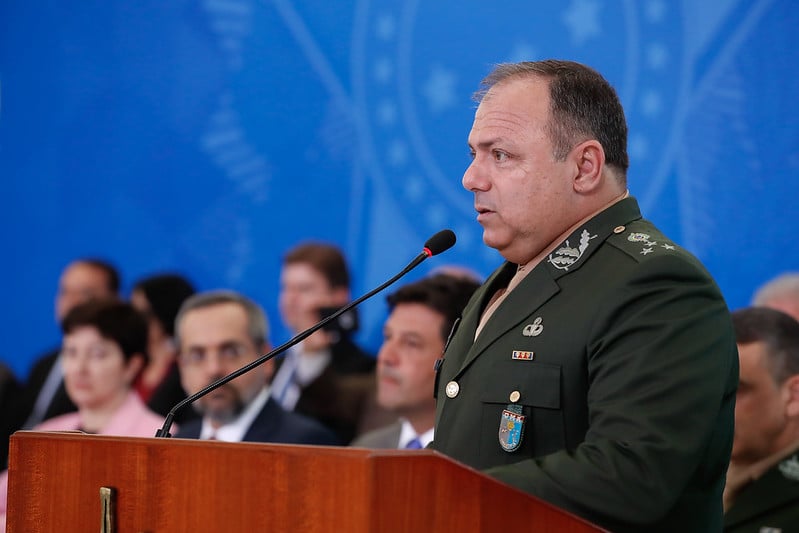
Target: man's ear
792	387
589	161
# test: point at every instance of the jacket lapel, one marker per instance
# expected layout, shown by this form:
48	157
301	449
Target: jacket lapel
532	293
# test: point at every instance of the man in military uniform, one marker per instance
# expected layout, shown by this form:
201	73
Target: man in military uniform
762	491
596	368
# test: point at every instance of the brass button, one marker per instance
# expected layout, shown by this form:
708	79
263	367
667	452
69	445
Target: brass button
618	229
452	389
514	396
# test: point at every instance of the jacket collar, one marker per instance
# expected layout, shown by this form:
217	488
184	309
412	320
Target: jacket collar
541	283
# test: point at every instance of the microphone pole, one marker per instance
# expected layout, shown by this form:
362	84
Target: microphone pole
440	242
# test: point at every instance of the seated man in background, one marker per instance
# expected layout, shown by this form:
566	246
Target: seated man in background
762	490
780	293
217	333
104	349
314	281
421	316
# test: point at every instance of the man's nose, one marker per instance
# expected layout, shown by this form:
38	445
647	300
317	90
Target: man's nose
474	177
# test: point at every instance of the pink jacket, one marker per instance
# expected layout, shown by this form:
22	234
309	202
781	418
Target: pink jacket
132	419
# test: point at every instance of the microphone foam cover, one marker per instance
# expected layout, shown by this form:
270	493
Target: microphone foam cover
440	242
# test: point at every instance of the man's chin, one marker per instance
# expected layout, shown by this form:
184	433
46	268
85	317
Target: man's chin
221	413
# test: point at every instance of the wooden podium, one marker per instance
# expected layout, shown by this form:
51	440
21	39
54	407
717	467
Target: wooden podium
178	485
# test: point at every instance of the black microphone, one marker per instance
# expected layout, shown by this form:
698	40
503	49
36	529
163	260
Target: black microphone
438	243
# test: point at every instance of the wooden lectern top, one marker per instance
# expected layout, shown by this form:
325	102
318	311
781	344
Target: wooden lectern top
178	485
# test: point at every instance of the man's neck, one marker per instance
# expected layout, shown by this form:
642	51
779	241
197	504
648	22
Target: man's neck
421	421
532	263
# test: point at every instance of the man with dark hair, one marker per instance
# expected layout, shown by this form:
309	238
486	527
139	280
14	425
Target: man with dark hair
421	316
217	333
314	281
596	368
44	395
762	491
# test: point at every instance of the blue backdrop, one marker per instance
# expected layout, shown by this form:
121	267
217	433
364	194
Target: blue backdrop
210	136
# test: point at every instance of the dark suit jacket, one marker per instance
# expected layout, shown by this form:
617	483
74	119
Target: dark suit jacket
331	398
621	349
274	424
9	392
168	394
770	502
60	404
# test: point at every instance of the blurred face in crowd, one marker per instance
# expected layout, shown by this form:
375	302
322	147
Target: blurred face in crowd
80	282
522	194
761	407
96	374
303	291
214	341
411	344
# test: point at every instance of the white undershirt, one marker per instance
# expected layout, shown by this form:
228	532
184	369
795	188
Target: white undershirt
407	434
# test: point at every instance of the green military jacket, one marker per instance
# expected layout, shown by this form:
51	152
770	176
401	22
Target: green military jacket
604	383
769	504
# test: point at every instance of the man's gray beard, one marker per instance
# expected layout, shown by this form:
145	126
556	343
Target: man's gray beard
222	416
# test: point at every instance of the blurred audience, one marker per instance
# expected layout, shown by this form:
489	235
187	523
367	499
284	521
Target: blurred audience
43	396
762	489
780	293
104	349
422	314
221	331
314	282
159	298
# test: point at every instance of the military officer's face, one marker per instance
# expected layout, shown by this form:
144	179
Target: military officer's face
411	344
523	195
761	407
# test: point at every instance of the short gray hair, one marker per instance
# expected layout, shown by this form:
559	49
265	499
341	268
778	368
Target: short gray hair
257	325
784	286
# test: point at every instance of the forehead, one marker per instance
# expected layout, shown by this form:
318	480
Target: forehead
514	104
302	273
84	334
753	361
415	318
215	323
84	274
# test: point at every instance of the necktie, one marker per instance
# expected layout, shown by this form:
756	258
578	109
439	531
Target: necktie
414	444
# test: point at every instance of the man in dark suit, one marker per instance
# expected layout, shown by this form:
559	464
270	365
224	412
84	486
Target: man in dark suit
312	378
597	367
218	332
762	491
421	316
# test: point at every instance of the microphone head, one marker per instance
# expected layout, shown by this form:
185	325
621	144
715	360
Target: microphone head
440	242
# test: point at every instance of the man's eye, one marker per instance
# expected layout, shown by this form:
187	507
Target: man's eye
500	156
471	154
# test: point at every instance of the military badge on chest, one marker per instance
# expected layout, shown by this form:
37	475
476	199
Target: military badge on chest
511	427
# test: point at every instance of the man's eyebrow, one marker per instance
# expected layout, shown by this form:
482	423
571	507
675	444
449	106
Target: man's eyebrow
487	143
